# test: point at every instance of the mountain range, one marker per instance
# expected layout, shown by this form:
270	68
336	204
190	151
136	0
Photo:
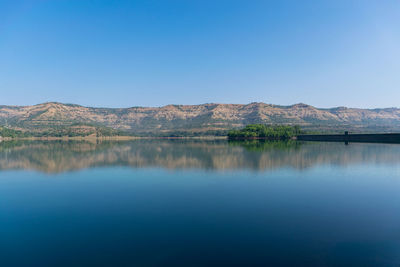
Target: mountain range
205	118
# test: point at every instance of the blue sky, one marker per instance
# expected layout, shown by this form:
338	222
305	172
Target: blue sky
153	53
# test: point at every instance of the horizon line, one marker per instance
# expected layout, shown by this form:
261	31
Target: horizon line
210	103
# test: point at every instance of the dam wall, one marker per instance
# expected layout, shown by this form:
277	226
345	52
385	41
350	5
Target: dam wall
364	138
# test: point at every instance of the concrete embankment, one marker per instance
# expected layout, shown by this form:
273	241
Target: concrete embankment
363	138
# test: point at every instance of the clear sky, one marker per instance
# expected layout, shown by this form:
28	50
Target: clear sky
152	53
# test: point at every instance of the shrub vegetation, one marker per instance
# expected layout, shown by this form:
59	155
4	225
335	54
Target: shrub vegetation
260	131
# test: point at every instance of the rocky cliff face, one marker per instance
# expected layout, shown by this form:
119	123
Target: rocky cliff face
198	117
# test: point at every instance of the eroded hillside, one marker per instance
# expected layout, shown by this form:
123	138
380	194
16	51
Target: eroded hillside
206	117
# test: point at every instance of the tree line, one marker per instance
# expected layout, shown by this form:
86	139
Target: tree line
261	131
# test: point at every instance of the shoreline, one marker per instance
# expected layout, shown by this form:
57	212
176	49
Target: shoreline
106	138
357	138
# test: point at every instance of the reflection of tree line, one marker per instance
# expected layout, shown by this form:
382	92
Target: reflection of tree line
59	156
263	145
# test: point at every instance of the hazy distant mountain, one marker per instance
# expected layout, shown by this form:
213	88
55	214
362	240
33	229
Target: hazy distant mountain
198	118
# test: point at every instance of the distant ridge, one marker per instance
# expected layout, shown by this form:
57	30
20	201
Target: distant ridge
198	118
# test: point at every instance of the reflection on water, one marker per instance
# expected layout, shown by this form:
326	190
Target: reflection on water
325	204
61	156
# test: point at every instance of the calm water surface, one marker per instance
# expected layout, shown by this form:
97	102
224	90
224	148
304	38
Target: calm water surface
199	203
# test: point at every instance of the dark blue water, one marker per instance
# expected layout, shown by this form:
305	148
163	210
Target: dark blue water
164	203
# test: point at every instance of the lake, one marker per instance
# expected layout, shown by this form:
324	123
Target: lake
199	203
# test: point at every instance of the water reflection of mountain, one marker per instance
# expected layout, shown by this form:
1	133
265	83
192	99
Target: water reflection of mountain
60	156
